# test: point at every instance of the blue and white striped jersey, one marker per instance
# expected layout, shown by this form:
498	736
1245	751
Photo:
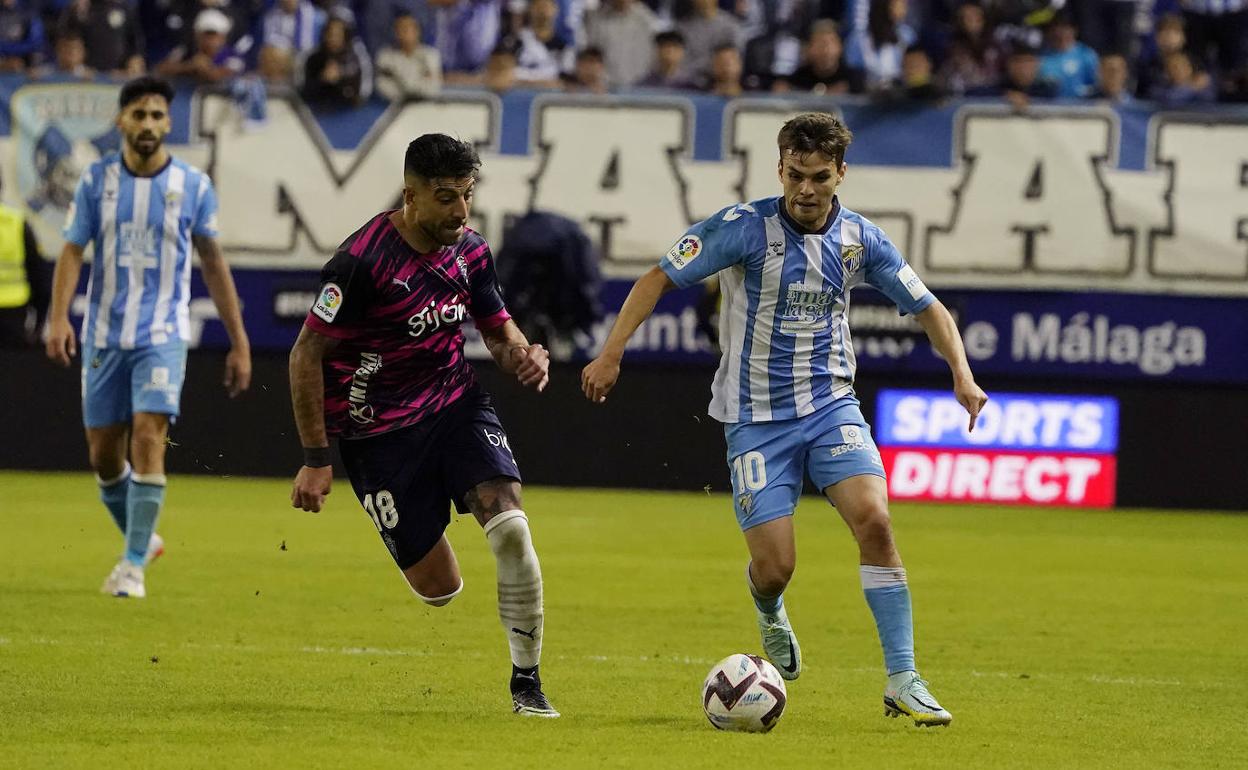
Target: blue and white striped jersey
783	324
141	230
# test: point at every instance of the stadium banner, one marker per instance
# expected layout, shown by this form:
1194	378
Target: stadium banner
1029	449
1143	210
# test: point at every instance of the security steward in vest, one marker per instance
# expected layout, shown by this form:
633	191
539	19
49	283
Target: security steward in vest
25	282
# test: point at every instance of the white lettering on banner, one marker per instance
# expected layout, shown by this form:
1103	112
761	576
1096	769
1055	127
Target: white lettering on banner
1030	199
1155	350
1002	478
1033	197
275	182
1207	233
1017	424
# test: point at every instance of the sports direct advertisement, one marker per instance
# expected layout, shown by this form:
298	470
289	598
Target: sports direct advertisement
1026	448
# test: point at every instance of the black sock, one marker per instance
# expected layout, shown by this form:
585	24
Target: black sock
524	679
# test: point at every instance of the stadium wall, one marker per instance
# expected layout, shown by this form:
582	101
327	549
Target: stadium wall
1179	446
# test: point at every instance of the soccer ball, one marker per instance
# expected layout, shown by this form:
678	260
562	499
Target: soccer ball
743	693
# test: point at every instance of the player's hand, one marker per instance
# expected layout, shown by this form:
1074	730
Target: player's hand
972	398
533	369
237	371
599	378
311	488
62	345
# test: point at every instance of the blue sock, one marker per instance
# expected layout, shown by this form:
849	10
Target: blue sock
768	605
114	493
147	492
889	598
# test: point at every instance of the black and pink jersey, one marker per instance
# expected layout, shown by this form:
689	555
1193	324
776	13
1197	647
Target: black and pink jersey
396	313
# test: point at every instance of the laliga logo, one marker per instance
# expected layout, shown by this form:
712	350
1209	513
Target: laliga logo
331	297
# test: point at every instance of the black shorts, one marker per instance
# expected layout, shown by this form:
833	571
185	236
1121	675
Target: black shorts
407	478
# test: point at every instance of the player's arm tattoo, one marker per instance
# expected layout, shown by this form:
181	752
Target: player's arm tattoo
307	386
220	283
490	498
502	342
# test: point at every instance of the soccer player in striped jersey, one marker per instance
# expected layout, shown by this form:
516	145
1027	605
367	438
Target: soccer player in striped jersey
379	365
784	388
141	210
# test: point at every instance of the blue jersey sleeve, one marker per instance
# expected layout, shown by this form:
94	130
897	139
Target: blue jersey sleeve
206	210
80	220
709	246
889	273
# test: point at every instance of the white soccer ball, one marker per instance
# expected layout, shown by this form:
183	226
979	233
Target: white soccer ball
743	693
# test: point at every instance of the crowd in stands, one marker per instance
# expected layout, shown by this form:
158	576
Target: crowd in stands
338	53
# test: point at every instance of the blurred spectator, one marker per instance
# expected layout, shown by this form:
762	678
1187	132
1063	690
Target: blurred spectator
669	63
1069	64
776	52
275	66
1215	34
1181	83
1169	36
1022	81
1113	81
408	68
590	73
293	25
377	20
333	74
825	70
110	31
21	35
465	32
500	71
878	49
623	29
726	71
705	30
542	53
69	59
917	82
210	59
973	60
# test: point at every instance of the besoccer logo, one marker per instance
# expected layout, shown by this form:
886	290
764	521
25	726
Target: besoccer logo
685	251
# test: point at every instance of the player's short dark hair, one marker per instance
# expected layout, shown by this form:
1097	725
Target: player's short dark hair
815	132
590	52
136	89
438	156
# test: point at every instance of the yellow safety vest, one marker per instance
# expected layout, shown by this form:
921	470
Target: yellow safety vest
14	287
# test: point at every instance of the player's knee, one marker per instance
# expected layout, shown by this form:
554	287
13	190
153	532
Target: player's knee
875	527
772	576
508	532
438	594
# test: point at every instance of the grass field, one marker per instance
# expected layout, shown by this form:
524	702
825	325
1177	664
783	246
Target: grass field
277	638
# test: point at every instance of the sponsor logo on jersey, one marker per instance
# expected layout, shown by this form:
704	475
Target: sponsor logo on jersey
685	251
431	318
910	279
328	302
807	308
357	398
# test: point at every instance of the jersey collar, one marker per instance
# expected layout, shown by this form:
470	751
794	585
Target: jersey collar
127	169
832	216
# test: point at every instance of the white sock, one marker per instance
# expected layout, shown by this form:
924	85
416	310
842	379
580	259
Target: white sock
519	586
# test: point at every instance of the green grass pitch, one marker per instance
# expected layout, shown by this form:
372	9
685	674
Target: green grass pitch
277	638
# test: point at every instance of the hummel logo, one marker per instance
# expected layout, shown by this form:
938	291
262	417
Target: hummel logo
402	283
530	633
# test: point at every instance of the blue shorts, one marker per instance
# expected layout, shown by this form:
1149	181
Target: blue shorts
117	383
769	460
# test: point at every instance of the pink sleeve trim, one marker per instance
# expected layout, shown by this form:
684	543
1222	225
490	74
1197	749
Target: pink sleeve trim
320	327
493	321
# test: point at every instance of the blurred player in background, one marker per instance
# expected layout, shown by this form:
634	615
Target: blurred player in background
142	210
784	389
380	365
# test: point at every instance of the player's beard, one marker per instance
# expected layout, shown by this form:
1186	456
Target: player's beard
145	145
442	234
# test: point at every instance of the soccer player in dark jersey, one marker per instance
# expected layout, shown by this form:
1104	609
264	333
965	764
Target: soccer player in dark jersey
380	365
